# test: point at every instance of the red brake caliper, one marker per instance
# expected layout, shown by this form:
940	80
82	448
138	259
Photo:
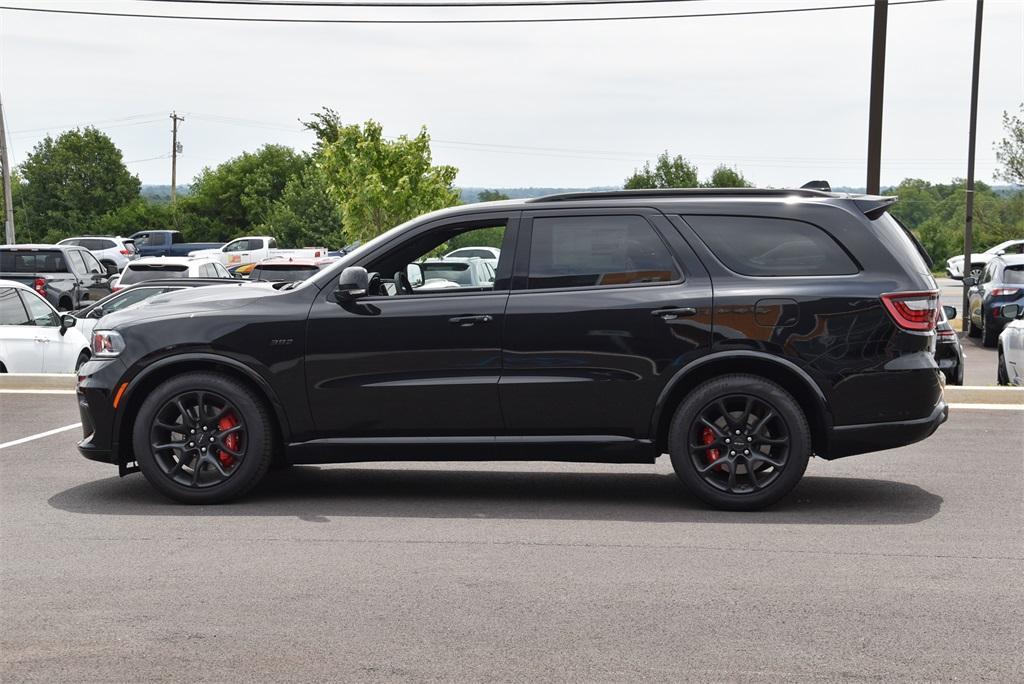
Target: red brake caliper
231	441
707	436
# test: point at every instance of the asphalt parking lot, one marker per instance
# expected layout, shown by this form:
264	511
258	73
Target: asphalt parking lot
897	565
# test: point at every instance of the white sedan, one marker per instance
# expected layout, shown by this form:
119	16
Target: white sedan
1010	368
979	260
34	338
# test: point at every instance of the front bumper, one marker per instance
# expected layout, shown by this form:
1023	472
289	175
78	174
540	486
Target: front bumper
848	440
955	269
98	381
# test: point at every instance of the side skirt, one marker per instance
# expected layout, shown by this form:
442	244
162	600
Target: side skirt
564	448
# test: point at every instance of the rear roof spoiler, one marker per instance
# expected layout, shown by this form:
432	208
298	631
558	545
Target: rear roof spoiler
874	206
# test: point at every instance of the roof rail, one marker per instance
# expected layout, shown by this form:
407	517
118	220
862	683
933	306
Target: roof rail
682	192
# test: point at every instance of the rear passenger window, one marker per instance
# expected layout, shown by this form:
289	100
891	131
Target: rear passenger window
598	251
772	247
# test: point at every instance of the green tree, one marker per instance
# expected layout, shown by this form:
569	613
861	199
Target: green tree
326	125
1010	150
71	181
727	177
238	194
490	196
668	172
306	214
381	183
140	214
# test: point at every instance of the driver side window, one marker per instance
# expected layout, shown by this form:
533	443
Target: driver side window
434	262
39	311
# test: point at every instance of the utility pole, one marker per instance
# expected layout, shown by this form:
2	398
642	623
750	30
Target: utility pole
972	135
875	105
174	154
8	202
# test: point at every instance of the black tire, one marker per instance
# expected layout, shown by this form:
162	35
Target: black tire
169	469
1002	377
64	304
989	337
976	271
971	330
82	358
718	483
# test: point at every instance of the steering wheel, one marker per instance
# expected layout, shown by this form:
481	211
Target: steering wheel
402	283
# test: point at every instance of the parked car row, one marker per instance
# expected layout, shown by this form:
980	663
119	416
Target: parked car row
1001	283
979	260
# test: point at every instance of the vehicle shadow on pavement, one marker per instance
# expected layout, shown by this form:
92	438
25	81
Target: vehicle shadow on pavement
315	494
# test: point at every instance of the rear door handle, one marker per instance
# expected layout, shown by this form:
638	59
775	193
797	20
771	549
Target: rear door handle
466	321
672	313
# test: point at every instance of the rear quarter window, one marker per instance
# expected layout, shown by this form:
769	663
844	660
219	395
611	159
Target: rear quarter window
766	247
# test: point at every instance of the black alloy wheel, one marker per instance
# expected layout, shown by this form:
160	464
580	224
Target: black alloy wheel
739	442
203	438
197	439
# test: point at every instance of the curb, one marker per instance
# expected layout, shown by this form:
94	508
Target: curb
27	382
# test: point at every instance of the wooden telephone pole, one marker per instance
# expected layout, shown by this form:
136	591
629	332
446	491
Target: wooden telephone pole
174	155
875	105
8	202
972	135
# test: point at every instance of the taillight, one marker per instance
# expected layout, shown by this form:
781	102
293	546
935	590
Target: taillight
125	252
945	334
1001	291
917	311
40	286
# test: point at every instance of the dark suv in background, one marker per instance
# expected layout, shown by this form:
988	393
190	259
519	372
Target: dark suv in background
739	331
68	276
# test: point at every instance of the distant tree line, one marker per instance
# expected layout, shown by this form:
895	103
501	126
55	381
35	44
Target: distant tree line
356	183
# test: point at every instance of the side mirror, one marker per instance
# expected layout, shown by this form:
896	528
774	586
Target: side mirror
352	284
950	312
414	272
970	281
1011	311
67	321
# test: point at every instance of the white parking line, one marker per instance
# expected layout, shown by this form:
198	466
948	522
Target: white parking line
36	391
40	435
989	407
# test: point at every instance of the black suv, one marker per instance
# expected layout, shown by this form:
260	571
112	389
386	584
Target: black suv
739	331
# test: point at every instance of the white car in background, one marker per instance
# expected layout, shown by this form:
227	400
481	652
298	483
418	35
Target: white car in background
979	260
34	338
113	252
1010	347
250	249
488	254
159	268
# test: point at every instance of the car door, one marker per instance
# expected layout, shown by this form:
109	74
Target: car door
606	307
57	355
238	252
20	352
409	365
97	280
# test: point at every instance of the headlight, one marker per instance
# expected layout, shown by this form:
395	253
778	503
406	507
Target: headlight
107	343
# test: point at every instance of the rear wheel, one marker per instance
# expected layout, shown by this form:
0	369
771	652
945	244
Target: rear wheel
739	442
203	438
1002	377
976	271
971	330
989	336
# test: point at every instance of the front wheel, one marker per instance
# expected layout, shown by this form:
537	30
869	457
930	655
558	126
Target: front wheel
203	438
1002	377
739	442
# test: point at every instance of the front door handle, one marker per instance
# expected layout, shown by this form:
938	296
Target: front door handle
466	321
672	313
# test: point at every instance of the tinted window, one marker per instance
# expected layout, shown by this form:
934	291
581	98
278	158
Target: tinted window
39	311
134	296
1014	275
772	247
140	272
49	261
469	253
282	273
588	251
12	312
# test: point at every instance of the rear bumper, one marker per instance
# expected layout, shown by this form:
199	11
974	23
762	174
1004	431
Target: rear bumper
848	440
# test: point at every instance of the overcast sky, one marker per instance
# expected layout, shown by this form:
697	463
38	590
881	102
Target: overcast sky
782	97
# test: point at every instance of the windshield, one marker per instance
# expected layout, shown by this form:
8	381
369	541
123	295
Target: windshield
137	273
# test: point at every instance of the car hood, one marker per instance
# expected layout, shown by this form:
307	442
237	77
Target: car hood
184	303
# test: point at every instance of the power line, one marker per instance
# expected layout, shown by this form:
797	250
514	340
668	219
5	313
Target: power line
431	3
531	20
92	123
